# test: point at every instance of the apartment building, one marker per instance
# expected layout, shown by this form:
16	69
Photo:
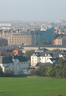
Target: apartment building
16	38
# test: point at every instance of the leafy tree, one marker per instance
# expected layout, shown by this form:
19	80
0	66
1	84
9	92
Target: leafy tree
29	53
59	70
52	71
43	70
1	72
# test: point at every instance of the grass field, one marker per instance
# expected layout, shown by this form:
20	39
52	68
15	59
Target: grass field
32	86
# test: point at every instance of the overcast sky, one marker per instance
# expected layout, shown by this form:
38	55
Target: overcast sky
29	10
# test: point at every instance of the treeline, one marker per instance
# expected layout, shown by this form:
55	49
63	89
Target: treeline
54	70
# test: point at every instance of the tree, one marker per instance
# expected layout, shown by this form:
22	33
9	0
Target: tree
1	72
42	70
63	67
29	53
59	70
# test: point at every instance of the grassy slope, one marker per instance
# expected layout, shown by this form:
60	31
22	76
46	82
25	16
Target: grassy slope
34	86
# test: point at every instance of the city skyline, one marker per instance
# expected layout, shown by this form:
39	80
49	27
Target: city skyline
32	10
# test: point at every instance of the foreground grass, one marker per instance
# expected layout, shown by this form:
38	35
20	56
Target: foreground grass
34	86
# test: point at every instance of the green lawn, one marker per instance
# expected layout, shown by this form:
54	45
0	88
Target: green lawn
32	86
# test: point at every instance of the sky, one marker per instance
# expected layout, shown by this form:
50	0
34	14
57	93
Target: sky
32	10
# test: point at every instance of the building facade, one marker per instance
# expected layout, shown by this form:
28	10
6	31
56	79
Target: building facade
17	38
14	66
36	38
3	42
38	58
57	42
